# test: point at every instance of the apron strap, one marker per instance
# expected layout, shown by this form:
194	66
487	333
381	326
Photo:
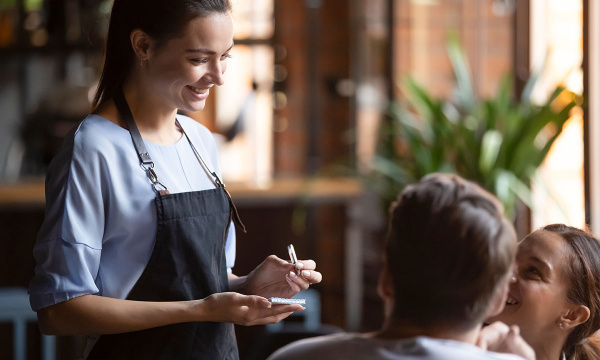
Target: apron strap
148	165
145	159
234	212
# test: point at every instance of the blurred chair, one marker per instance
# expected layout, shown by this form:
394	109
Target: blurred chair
14	308
299	325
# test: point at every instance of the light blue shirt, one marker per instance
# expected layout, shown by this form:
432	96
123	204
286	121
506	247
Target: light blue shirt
344	346
100	224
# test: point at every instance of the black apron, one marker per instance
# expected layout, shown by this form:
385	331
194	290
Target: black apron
187	263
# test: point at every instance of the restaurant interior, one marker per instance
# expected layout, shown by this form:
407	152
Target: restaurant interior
329	108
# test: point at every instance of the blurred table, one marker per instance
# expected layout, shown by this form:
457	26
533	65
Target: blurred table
31	192
27	197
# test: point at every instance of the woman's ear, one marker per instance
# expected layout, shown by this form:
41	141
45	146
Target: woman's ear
576	315
142	44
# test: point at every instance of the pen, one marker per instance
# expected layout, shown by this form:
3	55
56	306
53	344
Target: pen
293	257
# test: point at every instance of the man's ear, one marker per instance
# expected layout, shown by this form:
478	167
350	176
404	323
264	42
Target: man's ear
385	284
575	315
142	44
498	300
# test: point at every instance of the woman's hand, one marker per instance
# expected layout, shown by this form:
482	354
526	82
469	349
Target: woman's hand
275	277
95	315
245	310
499	337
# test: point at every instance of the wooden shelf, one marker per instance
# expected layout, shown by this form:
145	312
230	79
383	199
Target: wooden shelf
50	49
23	194
30	193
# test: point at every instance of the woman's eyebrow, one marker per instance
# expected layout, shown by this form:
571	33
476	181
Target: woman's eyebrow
205	50
544	264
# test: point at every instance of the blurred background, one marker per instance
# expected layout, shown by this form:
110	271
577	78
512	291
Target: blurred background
329	108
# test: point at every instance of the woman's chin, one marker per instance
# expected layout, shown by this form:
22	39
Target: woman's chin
506	316
192	107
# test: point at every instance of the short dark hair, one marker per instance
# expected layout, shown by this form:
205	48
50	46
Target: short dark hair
448	248
161	19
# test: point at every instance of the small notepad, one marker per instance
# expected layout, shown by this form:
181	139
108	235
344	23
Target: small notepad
276	300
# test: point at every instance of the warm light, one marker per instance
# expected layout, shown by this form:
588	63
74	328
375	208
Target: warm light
245	104
559	194
253	19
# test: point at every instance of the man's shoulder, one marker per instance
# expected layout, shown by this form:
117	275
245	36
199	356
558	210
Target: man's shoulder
343	346
316	348
457	350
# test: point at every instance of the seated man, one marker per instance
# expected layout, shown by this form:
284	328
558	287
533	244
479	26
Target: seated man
448	260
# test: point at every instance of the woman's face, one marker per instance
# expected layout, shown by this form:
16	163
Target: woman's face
182	70
537	295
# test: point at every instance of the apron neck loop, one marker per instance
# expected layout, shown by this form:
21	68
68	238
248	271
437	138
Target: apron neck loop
140	148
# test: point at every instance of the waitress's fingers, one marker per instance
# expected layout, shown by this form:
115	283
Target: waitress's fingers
253	301
297	283
273	319
296	288
275	314
276	260
306	265
254	316
313	277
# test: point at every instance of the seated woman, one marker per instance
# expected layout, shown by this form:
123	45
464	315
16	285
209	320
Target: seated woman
554	295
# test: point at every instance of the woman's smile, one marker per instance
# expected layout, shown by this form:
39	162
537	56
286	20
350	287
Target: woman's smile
199	94
510	300
197	90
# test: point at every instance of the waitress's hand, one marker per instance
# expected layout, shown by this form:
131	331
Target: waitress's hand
275	277
245	310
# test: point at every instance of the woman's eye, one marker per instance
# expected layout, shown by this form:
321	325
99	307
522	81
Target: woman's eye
225	56
533	270
199	61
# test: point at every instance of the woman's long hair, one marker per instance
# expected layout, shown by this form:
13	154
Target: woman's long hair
584	289
160	19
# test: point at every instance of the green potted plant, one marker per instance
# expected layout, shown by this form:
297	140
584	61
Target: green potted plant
497	142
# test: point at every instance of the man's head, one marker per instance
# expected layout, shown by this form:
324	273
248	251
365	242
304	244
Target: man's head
449	253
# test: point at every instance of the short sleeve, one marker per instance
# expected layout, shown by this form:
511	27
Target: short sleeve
69	244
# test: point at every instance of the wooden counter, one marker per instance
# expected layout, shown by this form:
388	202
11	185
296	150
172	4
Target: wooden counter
30	193
267	212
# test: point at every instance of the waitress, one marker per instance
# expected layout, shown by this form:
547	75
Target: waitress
138	242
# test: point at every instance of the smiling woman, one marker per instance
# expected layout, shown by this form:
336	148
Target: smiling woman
176	74
554	295
138	244
180	73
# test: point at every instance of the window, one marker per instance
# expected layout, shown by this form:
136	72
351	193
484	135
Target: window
241	111
557	36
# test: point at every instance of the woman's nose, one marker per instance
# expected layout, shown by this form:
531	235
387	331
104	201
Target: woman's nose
513	276
216	73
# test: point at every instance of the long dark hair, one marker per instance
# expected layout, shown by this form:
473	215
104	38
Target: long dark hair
160	19
584	289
